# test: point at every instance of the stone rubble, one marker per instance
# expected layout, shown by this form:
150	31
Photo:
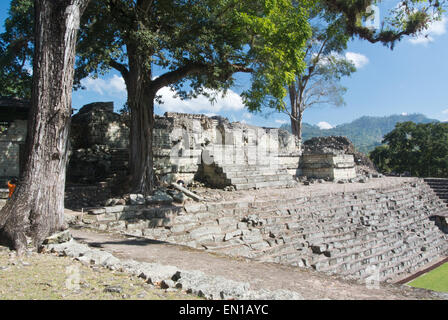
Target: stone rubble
195	282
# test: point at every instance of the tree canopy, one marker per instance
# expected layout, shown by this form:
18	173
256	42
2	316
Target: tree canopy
419	149
193	46
16	50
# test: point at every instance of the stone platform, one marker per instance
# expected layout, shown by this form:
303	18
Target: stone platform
384	229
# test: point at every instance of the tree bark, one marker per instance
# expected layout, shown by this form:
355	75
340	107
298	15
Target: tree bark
141	105
37	206
296	111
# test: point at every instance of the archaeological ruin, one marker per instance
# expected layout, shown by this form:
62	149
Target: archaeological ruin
257	192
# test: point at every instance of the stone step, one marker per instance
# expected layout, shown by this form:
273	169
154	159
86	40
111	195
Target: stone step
356	261
407	263
405	254
4	193
258	185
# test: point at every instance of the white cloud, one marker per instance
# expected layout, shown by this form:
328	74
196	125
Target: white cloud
437	28
445	111
231	102
323	125
358	59
281	121
112	86
247	115
404	113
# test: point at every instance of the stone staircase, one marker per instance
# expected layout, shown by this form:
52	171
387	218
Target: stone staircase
382	233
440	187
244	173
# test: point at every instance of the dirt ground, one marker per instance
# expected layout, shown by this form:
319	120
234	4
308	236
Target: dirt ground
36	276
310	284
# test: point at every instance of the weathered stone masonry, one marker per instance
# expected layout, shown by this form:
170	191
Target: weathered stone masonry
388	233
13	115
193	146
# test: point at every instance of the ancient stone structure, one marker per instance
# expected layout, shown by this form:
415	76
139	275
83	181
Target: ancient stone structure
385	233
13	128
221	153
186	147
98	124
382	233
328	157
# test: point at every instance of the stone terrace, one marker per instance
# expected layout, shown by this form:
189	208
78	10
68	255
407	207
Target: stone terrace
383	230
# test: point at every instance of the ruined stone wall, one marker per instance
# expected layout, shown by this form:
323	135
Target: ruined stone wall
98	124
328	165
10	141
329	157
185	141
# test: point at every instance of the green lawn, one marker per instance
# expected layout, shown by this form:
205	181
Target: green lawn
436	279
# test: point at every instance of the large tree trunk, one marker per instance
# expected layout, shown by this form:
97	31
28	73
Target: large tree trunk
141	153
141	106
37	206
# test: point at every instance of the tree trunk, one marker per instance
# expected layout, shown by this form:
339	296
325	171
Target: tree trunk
37	206
296	124
299	124
141	106
141	153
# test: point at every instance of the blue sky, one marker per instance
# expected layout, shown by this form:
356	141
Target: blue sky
412	78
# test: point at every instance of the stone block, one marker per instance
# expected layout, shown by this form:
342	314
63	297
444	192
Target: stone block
204	231
194	207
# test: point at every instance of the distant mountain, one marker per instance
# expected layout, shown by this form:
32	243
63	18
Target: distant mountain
366	132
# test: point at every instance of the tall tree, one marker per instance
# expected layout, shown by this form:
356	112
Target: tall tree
319	83
343	20
37	206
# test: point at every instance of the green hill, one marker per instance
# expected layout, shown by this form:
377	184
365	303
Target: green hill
366	132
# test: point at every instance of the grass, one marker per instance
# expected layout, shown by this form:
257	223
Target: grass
436	280
47	277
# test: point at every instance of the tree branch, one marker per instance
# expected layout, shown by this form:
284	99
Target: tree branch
120	68
190	69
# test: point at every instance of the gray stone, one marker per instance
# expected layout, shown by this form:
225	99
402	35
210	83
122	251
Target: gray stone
273	295
159	197
179	197
75	249
194	207
97	256
59	237
167	283
210	287
154	273
110	202
96	211
136	199
113	289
